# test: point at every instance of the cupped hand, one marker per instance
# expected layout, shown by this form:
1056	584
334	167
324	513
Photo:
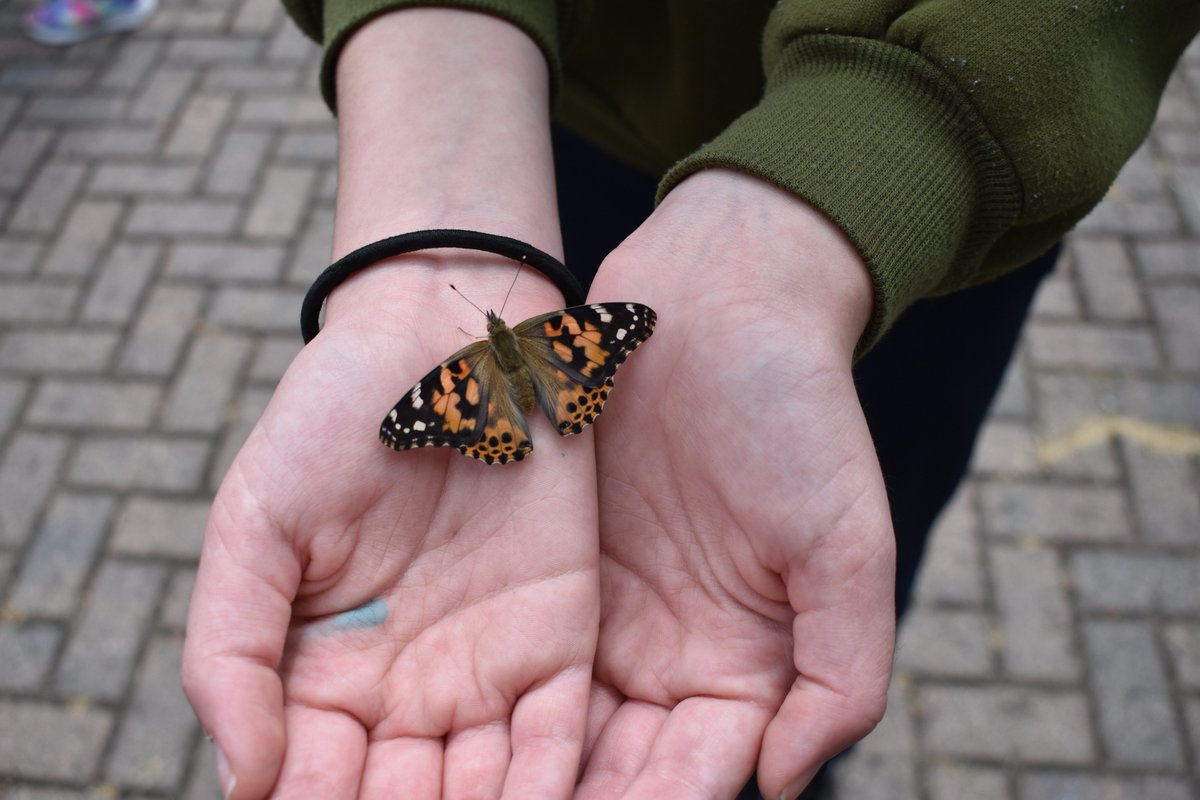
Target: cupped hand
747	559
374	624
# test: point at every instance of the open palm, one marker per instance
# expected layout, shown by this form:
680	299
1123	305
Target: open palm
373	624
747	558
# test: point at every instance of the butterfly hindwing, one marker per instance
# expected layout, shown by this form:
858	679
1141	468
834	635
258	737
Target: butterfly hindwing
573	354
505	434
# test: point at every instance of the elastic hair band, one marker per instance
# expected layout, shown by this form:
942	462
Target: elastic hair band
347	265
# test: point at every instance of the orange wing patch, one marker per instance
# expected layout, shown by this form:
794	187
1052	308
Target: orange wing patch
502	441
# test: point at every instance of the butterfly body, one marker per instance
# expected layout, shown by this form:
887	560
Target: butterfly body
562	362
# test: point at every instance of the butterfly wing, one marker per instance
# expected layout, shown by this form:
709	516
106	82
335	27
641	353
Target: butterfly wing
464	402
573	354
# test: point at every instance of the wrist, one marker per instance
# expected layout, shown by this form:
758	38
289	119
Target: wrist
443	123
746	238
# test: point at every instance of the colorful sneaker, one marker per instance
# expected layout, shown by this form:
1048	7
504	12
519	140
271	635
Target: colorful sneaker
62	22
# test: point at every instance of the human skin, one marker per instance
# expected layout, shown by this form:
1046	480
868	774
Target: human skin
720	531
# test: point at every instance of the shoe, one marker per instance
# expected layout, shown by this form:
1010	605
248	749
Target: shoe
63	22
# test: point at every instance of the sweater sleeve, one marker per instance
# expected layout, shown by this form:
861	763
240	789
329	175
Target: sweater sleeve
951	140
332	23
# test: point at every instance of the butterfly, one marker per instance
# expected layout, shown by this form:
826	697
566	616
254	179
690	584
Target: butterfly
562	362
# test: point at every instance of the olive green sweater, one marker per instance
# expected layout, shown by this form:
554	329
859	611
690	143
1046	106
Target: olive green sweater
951	140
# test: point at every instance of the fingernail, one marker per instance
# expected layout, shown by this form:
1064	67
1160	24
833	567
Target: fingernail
797	786
224	773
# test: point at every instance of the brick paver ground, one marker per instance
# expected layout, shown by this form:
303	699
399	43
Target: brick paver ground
166	197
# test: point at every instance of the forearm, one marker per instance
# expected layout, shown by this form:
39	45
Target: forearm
443	122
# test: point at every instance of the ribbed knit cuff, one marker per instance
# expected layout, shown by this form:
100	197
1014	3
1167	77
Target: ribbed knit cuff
537	18
889	149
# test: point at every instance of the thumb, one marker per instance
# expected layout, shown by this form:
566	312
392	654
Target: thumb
844	635
237	624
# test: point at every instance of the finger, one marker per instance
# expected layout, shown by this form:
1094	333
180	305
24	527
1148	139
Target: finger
406	767
603	703
621	749
843	653
325	755
476	760
237	623
706	748
547	737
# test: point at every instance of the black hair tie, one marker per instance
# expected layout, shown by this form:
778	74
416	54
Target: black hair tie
347	265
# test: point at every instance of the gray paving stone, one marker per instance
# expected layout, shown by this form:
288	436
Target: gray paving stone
256	17
28	472
151	462
1056	298
1187	189
47	197
56	567
1033	726
173	614
168	317
219	262
1104	347
50	742
87	230
311	146
272	357
279	205
1081	786
251	78
1172	259
131	64
120	283
952	571
289	45
1133	702
944	643
151	745
162	94
1109	581
151	526
17	256
1166	501
312	254
206	19
56	351
25	654
1191	712
272	310
955	781
143	179
36	301
1055	512
236	166
201	394
19	792
1183	643
247	411
43	76
1133	217
93	404
1178	311
1005	449
1035	614
1106	278
301	110
197	50
182	217
198	125
19	154
105	141
77	108
12	395
203	783
103	649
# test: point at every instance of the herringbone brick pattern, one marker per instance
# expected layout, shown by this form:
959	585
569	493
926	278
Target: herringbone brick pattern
166	196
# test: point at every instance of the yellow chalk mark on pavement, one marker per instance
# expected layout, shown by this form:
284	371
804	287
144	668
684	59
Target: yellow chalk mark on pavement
1167	440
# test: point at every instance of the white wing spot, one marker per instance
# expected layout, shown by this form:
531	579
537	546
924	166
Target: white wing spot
418	425
620	334
417	402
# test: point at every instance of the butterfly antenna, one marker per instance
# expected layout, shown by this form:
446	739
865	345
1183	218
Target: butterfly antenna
464	297
520	264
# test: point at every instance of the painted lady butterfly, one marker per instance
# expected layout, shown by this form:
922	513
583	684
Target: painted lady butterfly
562	362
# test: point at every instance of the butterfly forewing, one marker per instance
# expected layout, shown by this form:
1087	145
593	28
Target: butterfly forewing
469	402
573	355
